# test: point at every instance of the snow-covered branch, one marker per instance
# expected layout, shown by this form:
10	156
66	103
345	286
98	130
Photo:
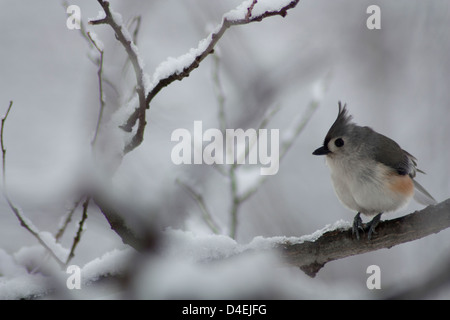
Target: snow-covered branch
311	256
114	20
180	68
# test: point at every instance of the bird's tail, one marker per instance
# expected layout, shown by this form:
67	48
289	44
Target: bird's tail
422	196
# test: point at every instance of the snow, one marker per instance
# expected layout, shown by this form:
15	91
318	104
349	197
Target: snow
61	252
101	15
177	65
111	263
239	13
261	7
262	243
212	264
194	247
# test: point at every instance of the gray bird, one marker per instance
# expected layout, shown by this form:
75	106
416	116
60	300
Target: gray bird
371	173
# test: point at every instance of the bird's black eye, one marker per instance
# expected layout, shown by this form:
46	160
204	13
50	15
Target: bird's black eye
339	142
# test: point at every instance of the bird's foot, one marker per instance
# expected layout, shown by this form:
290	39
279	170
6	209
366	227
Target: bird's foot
357	225
372	225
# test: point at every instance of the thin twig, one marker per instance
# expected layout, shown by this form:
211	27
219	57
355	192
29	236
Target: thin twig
235	201
2	144
207	217
100	88
67	220
77	238
134	38
136	19
23	221
250	9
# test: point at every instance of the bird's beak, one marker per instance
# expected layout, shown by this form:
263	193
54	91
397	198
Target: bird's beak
321	151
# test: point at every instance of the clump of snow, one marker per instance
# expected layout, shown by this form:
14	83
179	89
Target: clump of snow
16	279
101	15
198	247
111	263
201	247
117	17
262	243
239	13
60	252
177	65
9	267
179	278
23	286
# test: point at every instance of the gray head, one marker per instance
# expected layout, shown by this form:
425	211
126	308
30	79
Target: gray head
339	133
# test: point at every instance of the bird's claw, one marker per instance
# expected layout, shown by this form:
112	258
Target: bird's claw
357	225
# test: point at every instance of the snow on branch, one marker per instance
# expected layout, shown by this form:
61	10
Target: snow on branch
114	20
179	68
311	256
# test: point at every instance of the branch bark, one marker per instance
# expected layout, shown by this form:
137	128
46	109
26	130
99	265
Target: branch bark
310	257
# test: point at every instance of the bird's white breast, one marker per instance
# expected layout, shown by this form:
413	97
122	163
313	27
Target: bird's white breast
365	188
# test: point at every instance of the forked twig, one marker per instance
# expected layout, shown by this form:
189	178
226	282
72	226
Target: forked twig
77	238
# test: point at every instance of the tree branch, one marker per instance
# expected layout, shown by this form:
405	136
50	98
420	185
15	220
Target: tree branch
126	40
100	87
311	256
199	56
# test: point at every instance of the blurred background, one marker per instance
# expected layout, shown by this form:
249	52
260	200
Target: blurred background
394	80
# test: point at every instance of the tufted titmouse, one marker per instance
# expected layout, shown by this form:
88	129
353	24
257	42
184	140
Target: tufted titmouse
370	172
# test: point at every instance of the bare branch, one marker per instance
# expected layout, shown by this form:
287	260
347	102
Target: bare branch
311	256
125	39
24	222
77	238
2	144
100	88
67	220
